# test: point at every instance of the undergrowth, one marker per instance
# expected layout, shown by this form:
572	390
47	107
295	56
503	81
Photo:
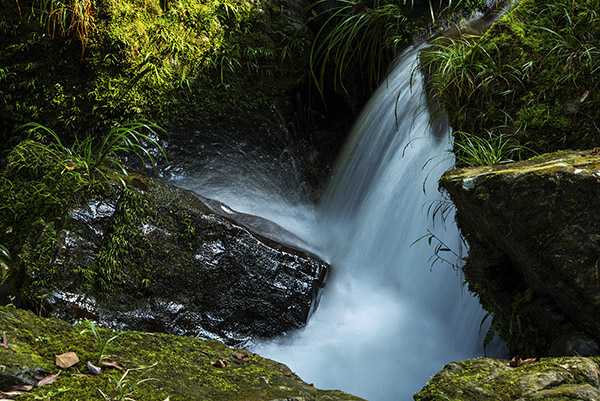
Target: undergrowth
531	80
41	180
81	65
367	36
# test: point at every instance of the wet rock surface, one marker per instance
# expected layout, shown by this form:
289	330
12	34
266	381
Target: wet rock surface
534	233
569	378
167	262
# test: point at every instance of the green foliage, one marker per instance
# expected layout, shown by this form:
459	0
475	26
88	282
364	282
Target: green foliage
355	33
196	60
113	255
72	16
101	342
366	35
40	183
89	155
471	150
535	73
124	386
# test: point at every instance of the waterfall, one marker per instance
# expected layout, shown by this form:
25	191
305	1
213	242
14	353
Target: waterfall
387	319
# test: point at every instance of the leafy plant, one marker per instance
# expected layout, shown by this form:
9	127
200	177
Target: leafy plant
124	386
352	32
100	341
88	155
66	17
442	253
474	150
537	67
4	260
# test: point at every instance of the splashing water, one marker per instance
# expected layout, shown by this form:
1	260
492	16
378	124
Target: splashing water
387	319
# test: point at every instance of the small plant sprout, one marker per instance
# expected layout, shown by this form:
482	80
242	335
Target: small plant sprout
101	342
4	260
124	386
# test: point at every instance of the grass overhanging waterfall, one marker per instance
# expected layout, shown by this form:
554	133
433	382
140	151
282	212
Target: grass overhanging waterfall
532	79
365	35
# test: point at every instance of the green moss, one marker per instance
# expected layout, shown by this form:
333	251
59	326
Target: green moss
488	379
197	60
179	367
532	76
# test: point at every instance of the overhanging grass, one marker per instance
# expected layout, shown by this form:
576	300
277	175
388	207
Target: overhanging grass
535	74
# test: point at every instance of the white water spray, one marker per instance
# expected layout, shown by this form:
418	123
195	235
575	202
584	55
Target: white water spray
387	320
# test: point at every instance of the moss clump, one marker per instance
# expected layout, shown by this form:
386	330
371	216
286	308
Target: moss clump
180	367
489	380
531	77
192	60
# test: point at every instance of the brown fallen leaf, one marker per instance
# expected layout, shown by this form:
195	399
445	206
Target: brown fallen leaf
66	360
291	374
95	370
80	375
112	364
13	391
8	395
240	356
19	388
516	361
4	343
48	379
219	364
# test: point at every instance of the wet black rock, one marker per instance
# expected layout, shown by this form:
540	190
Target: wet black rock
155	257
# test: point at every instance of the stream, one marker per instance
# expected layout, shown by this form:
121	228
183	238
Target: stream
388	319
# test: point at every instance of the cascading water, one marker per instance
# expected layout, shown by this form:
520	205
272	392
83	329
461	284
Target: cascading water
387	319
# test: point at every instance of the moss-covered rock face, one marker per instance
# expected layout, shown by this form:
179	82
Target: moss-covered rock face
171	62
148	256
532	77
490	380
534	234
180	368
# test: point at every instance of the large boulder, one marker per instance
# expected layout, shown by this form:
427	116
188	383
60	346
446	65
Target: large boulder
533	229
133	252
569	378
188	265
158	366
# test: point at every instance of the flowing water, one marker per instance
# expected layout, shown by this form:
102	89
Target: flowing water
387	319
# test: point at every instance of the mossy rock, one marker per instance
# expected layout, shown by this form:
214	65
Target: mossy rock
135	252
179	368
494	380
534	235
